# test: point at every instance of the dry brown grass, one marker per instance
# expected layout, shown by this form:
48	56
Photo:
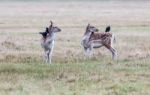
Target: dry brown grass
22	21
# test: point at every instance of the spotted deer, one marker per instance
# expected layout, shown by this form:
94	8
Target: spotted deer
93	39
48	40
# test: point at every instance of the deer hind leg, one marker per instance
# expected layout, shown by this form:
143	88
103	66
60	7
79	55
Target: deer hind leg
50	55
113	51
113	40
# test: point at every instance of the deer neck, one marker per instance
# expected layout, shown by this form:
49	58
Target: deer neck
85	39
51	36
87	36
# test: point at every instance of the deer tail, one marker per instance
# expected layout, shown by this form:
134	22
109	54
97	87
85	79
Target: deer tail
113	40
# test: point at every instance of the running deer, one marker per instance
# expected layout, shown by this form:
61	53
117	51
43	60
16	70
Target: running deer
48	41
93	39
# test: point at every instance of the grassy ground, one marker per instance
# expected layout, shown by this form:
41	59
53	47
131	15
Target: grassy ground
87	78
22	71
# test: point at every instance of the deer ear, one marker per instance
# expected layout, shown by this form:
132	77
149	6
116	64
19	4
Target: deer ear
88	26
51	24
50	27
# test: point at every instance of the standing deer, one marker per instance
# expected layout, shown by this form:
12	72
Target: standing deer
48	41
85	39
94	39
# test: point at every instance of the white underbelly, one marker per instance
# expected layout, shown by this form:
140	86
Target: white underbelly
96	45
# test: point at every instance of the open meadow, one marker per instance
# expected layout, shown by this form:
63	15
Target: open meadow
22	68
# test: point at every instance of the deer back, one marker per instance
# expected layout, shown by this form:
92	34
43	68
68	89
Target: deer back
103	38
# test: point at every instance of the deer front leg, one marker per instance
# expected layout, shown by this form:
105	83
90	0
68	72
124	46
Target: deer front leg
46	56
50	56
88	52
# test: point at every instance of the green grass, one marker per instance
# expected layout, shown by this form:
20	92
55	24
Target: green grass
122	78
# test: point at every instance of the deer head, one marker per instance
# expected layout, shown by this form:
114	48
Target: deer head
90	29
53	28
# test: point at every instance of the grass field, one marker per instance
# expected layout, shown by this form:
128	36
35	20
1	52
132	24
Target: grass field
23	72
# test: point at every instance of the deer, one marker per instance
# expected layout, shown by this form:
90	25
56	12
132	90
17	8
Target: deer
48	40
93	39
